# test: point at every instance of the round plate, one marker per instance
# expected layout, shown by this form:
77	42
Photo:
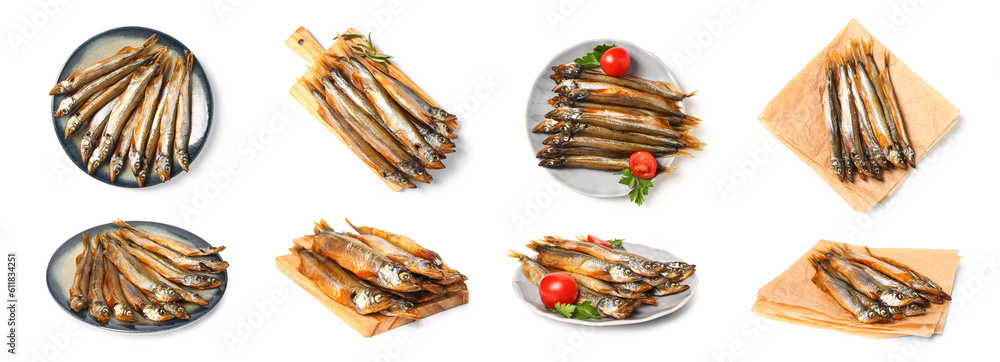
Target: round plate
528	293
62	269
590	182
106	44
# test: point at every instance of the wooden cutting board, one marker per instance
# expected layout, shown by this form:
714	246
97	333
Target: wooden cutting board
366	325
305	45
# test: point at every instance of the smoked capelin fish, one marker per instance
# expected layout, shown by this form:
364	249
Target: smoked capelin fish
615	281
120	277
872	288
375	271
394	129
120	101
867	133
600	120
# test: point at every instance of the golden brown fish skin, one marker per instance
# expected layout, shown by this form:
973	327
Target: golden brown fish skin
177	310
893	270
864	123
113	295
115	241
864	283
841	292
170	243
120	153
401	241
358	145
412	263
182	131
607	119
532	270
140	302
362	260
136	274
169	270
639	286
85	75
593	162
556	152
575	71
566	139
873	109
551	126
395	119
577	262
95	293
388	144
120	115
890	93
441	144
148	153
340	285
94	104
607	288
81	280
608	306
668	289
73	101
397	304
874	75
848	121
637	263
94	130
925	284
560	101
431	116
184	261
165	144
583	91
882	311
832	116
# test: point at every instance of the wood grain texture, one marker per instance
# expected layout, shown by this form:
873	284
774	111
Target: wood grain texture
365	325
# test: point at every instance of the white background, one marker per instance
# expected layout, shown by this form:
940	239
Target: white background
298	173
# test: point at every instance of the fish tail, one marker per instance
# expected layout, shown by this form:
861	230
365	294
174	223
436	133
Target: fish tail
516	255
322	226
150	41
685	154
534	244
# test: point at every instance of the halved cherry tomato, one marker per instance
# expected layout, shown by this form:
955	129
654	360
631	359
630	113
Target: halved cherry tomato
598	241
557	288
642	164
615	61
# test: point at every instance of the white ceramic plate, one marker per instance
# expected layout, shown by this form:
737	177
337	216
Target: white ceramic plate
528	293
590	182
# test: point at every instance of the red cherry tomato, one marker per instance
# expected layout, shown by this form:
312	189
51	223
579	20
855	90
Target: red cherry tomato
557	288
642	164
615	61
598	241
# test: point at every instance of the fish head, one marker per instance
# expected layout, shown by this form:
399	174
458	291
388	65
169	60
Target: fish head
576	94
182	157
643	267
546	126
397	276
882	311
673	273
439	114
549	152
398	179
371	300
405	309
868	316
896	158
78	303
163	166
913	310
560	101
910	156
156	313
428	155
558	139
100	311
838	168
565	86
568	70
417	171
614	307
164	293
622	274
552	162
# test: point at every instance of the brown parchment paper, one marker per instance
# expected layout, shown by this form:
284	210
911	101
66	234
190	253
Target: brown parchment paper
795	117
793	298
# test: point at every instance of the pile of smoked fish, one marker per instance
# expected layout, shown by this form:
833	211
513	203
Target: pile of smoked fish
135	105
866	131
375	271
600	120
130	273
391	127
874	289
615	281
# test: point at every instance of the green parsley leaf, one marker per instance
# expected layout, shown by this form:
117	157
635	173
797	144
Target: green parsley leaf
638	187
565	309
593	59
349	36
616	244
586	311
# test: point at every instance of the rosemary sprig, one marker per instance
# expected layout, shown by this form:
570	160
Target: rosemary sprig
367	50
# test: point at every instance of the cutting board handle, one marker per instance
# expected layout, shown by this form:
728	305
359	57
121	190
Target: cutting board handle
303	44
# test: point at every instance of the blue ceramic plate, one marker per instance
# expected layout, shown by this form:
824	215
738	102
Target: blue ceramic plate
528	293
106	44
62	268
590	182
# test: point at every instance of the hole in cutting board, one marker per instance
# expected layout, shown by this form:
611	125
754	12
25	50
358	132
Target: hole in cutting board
302	41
